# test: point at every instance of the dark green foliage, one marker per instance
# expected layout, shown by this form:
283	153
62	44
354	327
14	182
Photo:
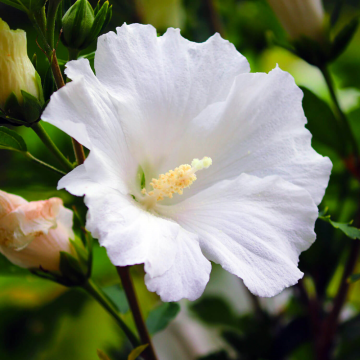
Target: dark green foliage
161	316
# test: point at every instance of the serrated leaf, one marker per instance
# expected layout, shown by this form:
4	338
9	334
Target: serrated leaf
343	39
137	351
160	317
10	140
350	231
102	355
321	121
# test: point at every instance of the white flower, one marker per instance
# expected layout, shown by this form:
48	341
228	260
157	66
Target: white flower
32	234
301	18
157	103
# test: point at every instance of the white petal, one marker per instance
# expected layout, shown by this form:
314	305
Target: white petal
255	228
163	82
84	110
188	275
258	130
130	234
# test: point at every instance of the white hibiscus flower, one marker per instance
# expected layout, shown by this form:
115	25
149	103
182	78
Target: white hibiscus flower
155	105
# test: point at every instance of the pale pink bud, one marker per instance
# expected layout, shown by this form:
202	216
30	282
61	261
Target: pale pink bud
32	234
300	17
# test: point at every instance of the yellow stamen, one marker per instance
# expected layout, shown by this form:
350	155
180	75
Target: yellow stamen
174	181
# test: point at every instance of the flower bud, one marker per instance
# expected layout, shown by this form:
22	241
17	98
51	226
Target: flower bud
82	25
32	234
301	18
17	72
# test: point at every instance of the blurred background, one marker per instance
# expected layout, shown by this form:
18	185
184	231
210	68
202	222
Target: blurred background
40	320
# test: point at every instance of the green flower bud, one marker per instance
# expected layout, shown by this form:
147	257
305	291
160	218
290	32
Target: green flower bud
20	92
82	25
77	23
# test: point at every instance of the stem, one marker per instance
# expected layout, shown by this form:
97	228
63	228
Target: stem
255	302
331	322
79	151
40	18
215	21
124	273
73	54
93	290
59	80
51	16
314	315
42	163
45	138
344	123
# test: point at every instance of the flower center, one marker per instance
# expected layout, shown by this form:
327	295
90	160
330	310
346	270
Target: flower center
174	181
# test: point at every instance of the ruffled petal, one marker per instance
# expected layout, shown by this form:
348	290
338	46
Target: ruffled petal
255	228
130	234
29	220
9	202
259	130
163	82
188	275
85	111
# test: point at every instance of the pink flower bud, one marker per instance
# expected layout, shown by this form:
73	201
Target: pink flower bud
32	234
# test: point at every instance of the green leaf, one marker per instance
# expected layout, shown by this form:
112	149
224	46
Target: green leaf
214	310
343	39
350	231
137	351
10	140
220	355
160	317
354	278
89	56
118	297
321	121
102	355
62	62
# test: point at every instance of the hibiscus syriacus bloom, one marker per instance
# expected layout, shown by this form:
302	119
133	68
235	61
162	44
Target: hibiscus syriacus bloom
156	106
32	234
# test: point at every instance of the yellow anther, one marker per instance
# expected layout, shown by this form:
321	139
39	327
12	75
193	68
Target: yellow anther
174	181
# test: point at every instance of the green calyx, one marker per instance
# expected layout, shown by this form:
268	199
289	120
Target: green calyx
75	268
82	24
24	111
